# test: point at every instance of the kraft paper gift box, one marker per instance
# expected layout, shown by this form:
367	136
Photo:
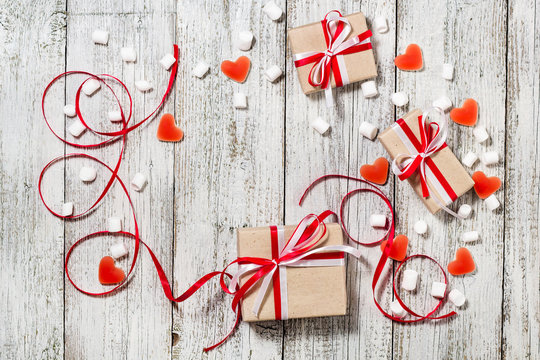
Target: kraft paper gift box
450	167
311	291
360	66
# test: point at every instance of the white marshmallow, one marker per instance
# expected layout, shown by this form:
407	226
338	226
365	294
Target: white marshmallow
167	61
67	209
139	182
128	54
465	210
100	37
400	99
456	297
410	278
118	250
480	134
420	227
115	224
448	71
77	128
491	202
91	86
368	130
397	309
438	289
245	40
114	116
320	125
380	24
200	69
490	158
369	89
69	110
377	220
240	100
143	85
470	236
87	174
273	73
444	103
469	159
273	11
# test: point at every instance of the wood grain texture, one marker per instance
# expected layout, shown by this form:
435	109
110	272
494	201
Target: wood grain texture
229	169
465	34
123	321
342	151
31	240
521	306
240	168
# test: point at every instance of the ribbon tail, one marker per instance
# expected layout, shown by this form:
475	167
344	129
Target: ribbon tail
329	96
235	325
262	292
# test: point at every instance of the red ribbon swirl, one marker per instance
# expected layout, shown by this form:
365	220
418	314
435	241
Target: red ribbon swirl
385	254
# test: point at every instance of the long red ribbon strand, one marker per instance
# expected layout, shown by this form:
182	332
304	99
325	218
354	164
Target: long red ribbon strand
385	254
267	264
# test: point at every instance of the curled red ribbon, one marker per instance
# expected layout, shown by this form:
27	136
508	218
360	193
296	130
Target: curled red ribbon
238	292
385	254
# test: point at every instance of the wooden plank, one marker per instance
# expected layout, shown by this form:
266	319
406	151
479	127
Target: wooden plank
136	321
342	151
369	334
521	306
228	170
31	238
470	35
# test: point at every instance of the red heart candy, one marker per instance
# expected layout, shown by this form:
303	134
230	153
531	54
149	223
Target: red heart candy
411	60
108	273
376	173
167	129
467	114
398	251
463	264
237	70
485	186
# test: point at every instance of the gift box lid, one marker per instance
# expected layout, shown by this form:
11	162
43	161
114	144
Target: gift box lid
360	66
445	160
311	291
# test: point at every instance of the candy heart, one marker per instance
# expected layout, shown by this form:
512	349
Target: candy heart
167	129
485	186
108	273
411	60
238	70
376	173
398	251
463	264
467	114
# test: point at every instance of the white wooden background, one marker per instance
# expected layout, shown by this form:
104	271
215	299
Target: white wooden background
249	167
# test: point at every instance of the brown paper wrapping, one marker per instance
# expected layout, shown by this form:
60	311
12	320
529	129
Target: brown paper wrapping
311	291
446	161
360	66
